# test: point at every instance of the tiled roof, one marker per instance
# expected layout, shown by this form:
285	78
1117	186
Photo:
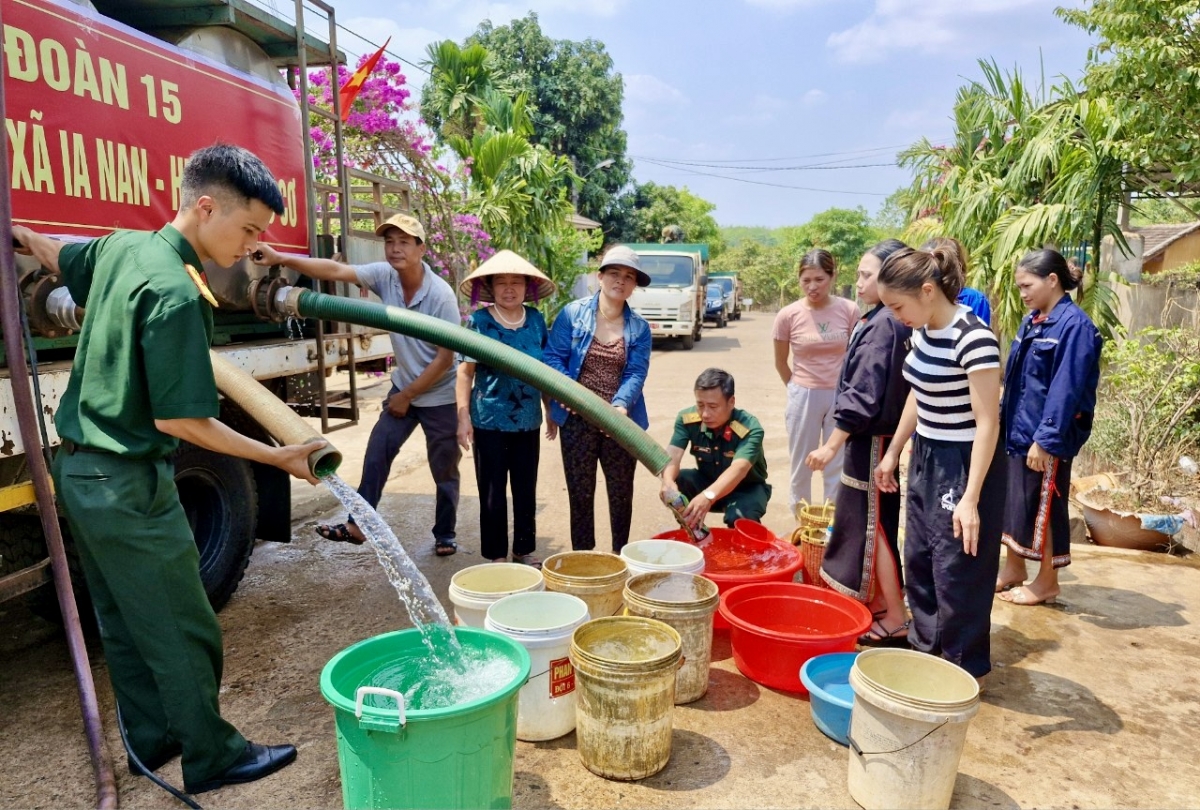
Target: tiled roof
1159	237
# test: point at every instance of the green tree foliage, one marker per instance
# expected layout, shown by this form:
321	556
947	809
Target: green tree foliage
655	207
1162	211
892	218
575	100
1147	66
847	233
767	274
735	235
1022	171
460	82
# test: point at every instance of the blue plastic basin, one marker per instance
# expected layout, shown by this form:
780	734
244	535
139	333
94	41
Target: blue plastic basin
827	678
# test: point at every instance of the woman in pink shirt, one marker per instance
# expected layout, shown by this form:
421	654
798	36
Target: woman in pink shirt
814	331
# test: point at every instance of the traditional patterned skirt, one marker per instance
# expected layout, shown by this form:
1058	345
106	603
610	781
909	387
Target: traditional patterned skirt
863	518
1037	507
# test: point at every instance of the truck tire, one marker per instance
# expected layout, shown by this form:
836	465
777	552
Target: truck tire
221	501
688	342
722	321
21	543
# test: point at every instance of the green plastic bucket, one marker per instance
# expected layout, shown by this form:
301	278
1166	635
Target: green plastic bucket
456	757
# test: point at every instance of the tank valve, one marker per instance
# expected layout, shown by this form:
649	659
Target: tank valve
52	311
273	299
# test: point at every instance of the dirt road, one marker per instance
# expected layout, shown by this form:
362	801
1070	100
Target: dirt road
1092	703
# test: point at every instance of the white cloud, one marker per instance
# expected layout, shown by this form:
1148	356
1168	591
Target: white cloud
928	27
813	97
782	5
641	88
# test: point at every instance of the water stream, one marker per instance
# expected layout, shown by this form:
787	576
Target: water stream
448	674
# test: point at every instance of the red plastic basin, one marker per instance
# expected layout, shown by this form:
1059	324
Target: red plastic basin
776	626
728	563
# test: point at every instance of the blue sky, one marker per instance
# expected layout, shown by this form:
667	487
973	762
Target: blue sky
781	83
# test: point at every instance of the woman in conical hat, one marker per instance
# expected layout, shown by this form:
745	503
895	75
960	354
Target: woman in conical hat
498	415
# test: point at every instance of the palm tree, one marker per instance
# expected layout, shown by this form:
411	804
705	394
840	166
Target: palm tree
1024	171
460	80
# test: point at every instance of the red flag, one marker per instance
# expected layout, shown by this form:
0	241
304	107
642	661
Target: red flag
350	89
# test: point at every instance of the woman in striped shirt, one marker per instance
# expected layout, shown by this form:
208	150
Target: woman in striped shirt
955	488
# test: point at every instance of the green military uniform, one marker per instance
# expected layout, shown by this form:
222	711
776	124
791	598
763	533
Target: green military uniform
741	438
143	355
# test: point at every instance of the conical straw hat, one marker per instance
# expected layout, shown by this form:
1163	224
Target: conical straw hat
539	288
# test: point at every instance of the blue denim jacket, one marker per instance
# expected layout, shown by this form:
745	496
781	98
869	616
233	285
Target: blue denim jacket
1050	382
571	337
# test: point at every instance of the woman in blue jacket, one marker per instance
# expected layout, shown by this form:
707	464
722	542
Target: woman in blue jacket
1049	399
605	346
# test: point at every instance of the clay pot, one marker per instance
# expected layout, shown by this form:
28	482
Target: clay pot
1114	529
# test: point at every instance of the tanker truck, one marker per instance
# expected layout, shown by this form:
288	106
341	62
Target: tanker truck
103	103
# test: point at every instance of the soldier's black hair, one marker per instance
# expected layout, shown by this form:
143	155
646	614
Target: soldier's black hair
712	378
233	170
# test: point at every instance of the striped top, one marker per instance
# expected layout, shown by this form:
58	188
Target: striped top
937	368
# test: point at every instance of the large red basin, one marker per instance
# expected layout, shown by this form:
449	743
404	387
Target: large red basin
728	563
776	626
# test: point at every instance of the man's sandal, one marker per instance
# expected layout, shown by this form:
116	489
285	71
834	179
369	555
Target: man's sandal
444	548
339	533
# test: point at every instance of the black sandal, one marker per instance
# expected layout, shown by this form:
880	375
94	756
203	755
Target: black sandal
885	637
338	533
444	548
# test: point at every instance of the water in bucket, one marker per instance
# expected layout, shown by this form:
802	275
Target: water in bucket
448	675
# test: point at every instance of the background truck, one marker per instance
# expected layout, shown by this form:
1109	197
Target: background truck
673	304
103	103
731	287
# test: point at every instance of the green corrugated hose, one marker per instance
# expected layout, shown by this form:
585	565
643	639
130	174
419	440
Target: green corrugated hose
471	344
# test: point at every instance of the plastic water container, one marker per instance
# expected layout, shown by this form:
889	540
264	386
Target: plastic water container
399	758
650	556
542	623
686	602
474	589
625	666
596	577
907	728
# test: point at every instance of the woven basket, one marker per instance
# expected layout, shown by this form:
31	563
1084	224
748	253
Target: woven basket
813	516
811	540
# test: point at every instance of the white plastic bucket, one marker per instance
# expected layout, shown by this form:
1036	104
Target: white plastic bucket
907	728
652	556
686	602
542	623
474	589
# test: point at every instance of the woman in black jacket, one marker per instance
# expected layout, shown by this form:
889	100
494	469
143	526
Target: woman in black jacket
862	558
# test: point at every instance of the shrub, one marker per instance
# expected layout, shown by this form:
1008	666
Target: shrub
1148	411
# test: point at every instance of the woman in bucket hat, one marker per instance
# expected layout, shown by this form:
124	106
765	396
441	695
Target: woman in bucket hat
500	415
604	345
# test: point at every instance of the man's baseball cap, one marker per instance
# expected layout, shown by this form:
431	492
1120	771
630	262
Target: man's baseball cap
622	256
406	223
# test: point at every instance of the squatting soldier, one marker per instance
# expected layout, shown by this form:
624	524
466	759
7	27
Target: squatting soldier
731	468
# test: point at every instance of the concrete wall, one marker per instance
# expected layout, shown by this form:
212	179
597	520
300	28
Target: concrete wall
1146	305
1113	260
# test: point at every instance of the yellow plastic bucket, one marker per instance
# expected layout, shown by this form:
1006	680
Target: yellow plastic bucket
625	678
596	577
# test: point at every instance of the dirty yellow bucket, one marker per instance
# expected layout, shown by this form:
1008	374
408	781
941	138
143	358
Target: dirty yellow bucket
687	602
625	678
596	577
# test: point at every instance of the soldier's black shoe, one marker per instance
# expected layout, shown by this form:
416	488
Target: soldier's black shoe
254	763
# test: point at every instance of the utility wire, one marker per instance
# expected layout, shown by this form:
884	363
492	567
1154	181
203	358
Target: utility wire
765	183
